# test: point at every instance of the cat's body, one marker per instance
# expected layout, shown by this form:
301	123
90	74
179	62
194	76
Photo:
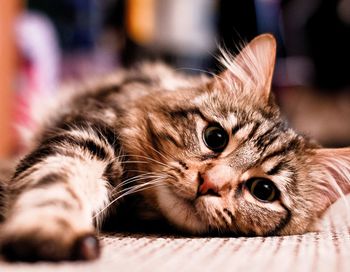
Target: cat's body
205	154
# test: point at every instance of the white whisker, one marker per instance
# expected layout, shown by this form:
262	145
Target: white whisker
136	179
128	191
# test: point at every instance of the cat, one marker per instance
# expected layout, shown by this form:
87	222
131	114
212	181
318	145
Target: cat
206	154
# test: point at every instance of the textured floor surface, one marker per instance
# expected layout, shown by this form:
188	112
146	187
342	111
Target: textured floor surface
327	250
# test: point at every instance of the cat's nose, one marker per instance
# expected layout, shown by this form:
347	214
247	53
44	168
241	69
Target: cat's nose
208	188
214	181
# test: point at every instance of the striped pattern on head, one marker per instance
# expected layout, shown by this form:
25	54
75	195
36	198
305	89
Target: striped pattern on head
260	146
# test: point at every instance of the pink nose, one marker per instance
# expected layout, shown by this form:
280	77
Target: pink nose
208	188
214	180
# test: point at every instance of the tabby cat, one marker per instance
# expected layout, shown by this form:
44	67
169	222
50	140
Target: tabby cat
205	154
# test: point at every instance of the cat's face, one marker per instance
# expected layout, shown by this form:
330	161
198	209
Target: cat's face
228	162
230	167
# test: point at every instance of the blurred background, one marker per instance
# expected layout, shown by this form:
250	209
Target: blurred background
44	43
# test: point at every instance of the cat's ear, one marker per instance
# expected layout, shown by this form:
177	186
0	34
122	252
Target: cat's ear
252	69
330	171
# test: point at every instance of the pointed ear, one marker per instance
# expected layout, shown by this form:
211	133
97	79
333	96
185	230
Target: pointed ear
330	169
252	69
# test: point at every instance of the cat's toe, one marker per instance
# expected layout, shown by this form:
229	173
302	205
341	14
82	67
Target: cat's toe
31	248
86	247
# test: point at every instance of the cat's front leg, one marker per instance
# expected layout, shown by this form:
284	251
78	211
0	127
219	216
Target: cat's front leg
58	191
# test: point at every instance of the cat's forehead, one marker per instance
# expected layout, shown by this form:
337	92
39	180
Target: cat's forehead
231	108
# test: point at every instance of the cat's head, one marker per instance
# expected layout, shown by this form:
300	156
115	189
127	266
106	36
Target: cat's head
222	159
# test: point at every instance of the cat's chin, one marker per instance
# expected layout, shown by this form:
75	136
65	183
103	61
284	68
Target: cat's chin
180	211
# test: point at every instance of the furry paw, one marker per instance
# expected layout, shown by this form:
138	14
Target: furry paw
53	242
30	249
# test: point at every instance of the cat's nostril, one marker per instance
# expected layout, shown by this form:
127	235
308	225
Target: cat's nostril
215	181
207	188
212	192
200	179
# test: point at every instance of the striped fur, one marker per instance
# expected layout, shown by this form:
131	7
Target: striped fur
140	133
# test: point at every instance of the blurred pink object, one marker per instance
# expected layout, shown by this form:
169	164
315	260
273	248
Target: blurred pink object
39	66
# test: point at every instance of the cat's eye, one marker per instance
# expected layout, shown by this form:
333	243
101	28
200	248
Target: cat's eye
263	189
215	137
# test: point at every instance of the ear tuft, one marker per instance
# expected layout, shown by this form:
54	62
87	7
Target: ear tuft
252	69
330	170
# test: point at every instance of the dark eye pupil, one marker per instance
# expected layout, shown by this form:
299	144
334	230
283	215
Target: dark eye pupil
215	138
263	189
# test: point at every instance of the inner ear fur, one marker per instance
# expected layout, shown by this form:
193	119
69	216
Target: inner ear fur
330	169
252	69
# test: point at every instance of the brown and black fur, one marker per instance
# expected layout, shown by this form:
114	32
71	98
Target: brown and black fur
140	133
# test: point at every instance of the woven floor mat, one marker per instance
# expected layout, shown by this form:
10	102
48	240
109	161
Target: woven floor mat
327	250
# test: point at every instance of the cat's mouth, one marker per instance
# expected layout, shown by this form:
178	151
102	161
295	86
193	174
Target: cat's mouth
187	214
192	214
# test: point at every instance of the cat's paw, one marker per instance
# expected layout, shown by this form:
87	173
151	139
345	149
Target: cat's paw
30	249
47	243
